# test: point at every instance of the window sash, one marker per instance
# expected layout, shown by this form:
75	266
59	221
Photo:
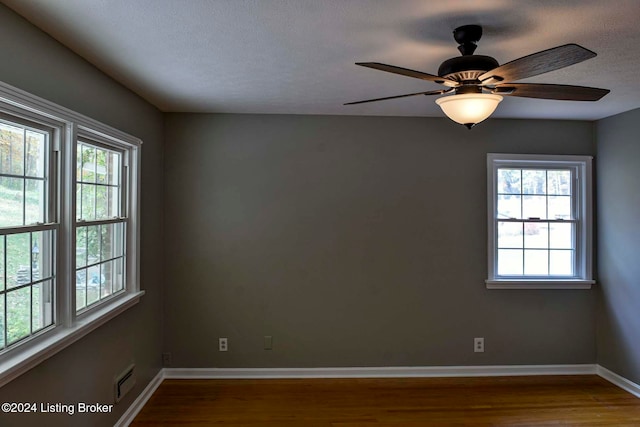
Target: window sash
49	164
545	246
122	181
117	260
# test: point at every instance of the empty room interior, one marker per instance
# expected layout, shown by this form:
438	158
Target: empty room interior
319	213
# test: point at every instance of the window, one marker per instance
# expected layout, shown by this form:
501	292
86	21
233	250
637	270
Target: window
69	228
539	225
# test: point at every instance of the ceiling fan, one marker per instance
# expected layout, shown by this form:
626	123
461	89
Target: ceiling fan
478	81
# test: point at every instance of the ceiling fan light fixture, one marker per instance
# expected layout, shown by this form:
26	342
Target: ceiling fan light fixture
469	109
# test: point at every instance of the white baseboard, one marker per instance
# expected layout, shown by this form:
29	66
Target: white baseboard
141	400
620	381
380	372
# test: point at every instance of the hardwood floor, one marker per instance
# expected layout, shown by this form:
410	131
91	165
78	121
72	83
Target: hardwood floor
585	400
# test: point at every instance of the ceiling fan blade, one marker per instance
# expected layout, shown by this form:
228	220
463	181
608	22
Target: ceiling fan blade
433	92
549	91
537	63
409	73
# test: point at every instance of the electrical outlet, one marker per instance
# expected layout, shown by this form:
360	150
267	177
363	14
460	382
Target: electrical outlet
478	345
166	359
222	344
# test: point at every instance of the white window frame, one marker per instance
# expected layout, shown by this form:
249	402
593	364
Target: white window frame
70	326
583	210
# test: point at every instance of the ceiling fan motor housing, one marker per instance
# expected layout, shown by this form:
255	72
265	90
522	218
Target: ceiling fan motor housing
467	68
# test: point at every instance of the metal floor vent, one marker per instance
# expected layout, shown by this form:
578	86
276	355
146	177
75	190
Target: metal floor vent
125	382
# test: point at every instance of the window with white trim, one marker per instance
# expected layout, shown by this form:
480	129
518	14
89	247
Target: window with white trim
539	209
69	228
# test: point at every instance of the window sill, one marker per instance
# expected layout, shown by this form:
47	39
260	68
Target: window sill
56	340
539	284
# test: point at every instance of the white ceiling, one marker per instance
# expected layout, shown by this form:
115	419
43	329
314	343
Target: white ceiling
297	56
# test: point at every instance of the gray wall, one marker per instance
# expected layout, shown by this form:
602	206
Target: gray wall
84	372
618	201
353	241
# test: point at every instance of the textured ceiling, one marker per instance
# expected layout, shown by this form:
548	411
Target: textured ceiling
297	56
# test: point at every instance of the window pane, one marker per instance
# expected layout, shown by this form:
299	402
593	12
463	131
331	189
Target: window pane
509	207
536	235
81	247
534	207
34	201
11	149
18	259
88	202
534	181
88	164
79	162
78	201
106	288
94	281
112	241
107	202
101	166
41	246
93	244
509	181
509	262
536	262
36	152
102	202
113	170
11	194
559	182
560	207
81	288
118	275
510	235
561	263
561	236
114	202
18	314
42	304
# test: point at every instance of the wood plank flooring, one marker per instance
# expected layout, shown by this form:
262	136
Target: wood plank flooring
585	400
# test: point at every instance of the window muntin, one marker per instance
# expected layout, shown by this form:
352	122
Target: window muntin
539	219
27	231
100	223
